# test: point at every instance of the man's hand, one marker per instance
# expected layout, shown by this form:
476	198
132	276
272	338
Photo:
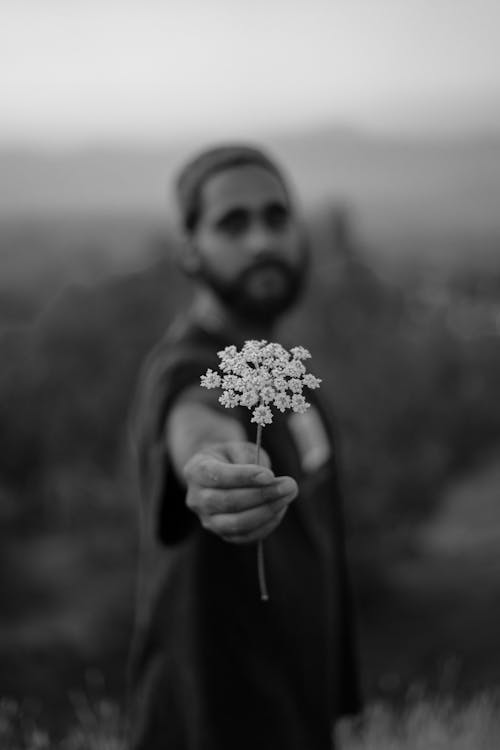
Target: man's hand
233	497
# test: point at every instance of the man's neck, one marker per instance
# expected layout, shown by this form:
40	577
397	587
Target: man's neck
215	317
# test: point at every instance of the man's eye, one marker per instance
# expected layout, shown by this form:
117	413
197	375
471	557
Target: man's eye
234	222
276	216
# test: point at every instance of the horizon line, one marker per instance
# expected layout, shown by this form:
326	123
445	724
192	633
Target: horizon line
144	143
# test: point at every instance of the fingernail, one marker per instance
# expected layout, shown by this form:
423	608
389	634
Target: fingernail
264	477
284	486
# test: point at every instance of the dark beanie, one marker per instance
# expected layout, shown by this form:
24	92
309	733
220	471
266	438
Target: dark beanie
208	163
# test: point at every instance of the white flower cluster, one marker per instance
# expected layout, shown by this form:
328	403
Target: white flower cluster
260	376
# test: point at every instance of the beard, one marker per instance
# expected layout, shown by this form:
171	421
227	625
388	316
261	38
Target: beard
263	291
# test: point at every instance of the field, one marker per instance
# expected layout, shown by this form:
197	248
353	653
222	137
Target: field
409	354
422	724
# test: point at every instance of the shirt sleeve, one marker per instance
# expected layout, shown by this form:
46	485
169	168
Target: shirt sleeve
164	514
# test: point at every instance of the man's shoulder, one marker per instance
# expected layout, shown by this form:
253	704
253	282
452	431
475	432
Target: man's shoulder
179	358
182	342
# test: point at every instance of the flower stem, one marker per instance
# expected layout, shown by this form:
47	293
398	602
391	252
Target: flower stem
260	545
258	442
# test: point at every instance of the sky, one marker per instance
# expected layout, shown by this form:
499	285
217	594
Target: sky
78	72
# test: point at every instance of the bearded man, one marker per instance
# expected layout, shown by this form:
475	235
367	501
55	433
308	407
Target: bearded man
213	666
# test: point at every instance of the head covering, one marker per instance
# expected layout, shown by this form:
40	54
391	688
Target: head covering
211	161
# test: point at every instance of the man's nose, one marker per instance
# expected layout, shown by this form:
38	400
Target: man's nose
260	240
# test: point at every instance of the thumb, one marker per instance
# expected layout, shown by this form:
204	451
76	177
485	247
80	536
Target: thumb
246	453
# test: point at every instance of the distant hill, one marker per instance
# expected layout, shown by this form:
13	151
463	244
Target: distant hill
431	195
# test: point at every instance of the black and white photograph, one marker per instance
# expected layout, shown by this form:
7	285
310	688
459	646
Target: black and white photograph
249	375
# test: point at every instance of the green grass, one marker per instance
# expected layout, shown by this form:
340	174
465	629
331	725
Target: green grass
422	724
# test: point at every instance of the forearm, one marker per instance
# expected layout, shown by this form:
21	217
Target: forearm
194	428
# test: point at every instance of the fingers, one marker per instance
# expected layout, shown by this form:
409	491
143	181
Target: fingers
256	534
243	515
209	471
215	501
250	525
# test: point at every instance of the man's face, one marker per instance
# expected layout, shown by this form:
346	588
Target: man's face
248	244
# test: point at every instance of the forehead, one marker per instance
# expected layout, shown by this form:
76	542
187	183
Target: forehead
250	187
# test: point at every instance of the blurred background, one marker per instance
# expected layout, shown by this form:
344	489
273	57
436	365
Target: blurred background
386	116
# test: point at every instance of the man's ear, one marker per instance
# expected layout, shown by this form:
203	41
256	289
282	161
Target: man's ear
188	257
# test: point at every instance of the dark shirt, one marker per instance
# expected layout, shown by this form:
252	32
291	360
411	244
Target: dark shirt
213	667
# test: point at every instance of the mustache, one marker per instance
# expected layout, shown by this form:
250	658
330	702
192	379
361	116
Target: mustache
272	263
236	294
